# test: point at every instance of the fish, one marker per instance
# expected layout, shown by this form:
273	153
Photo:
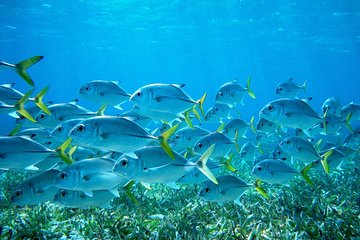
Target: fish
105	93
289	89
152	165
165	98
264	125
349	113
21	67
332	123
11	96
229	188
78	199
137	118
300	149
223	145
237	128
116	134
232	93
20	152
187	137
335	160
37	189
65	111
90	175
217	113
331	105
18	107
274	171
40	135
290	112
61	131
352	140
249	151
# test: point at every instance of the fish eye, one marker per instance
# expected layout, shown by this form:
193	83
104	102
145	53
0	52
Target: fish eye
262	124
63	193
177	137
216	109
259	168
138	94
81	128
221	94
63	175
124	162
207	190
87	88
42	116
270	108
200	145
18	193
59	129
280	89
287	142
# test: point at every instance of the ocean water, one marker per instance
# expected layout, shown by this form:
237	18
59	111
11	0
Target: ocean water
202	44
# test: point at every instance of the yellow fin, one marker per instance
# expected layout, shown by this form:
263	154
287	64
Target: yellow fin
15	130
39	100
23	65
127	189
61	151
201	103
187	119
19	106
252	124
324	159
163	139
250	92
101	110
201	164
228	165
260	189
304	174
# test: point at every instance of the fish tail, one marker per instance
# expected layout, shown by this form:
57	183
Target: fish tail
236	138
260	189
39	100
221	127
197	115
201	164
347	122
228	165
187	118
15	130
324	159
252	124
62	154
250	92
304	86
20	106
101	110
23	65
201	103
304	173
127	189
164	137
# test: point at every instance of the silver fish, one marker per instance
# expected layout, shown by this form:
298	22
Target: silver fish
290	112
223	145
187	137
331	105
36	189
232	93
289	89
229	188
218	113
105	92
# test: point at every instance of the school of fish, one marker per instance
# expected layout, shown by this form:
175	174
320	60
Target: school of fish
81	158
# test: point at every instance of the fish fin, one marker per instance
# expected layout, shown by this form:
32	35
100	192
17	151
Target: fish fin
347	122
173	185
31	168
127	189
197	115
304	173
164	137
250	92
187	118
15	130
88	193
228	165
260	189
23	65
132	155
118	107
106	205
101	110
19	106
114	191
251	123
304	86
74	101
201	104
318	145
61	151
8	85
178	85
13	114
237	201
146	185
324	159
39	100
201	164
220	128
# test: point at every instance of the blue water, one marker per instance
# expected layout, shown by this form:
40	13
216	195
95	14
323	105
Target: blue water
201	43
